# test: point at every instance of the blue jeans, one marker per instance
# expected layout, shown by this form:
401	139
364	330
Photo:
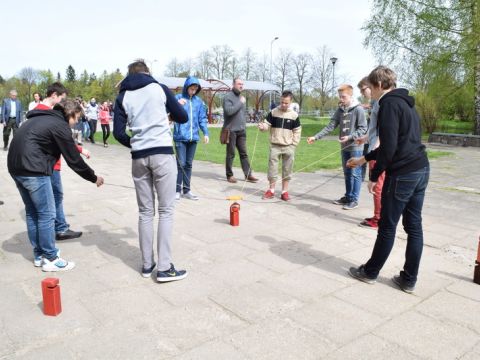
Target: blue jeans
353	177
37	195
402	195
60	221
185	153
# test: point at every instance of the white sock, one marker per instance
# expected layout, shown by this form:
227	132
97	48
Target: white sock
284	191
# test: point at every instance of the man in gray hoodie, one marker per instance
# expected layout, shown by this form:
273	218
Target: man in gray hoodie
235	120
350	117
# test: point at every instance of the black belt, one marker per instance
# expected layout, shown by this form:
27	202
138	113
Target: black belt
12	117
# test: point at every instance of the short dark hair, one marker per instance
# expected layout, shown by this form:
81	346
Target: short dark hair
69	108
287	93
384	75
56	87
138	66
364	82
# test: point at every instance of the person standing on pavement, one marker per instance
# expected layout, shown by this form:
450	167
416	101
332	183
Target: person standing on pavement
402	156
56	92
187	135
104	116
11	117
350	118
285	132
33	152
234	114
371	140
91	112
144	104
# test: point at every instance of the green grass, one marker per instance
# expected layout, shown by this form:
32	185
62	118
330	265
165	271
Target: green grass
323	154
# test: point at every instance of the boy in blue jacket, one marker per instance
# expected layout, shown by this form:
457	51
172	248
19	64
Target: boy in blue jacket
187	135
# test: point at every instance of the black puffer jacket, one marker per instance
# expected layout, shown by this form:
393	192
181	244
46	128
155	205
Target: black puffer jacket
38	143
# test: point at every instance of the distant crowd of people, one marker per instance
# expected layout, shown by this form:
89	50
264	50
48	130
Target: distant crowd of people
385	133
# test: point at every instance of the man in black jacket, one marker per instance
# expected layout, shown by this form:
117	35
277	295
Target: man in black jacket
402	156
34	150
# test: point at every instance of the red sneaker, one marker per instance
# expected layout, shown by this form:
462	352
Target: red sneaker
285	196
268	194
371	224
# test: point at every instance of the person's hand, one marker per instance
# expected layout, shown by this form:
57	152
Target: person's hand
355	162
343	139
85	153
311	139
206	139
261	126
361	140
371	187
182	101
99	181
242	99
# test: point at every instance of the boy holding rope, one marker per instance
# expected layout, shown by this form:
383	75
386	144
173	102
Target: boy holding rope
285	131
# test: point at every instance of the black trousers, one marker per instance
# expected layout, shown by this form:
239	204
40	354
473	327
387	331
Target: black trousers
106	132
238	139
10	124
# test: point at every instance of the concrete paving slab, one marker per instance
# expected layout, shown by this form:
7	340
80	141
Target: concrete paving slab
274	287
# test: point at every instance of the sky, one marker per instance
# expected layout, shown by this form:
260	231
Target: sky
106	35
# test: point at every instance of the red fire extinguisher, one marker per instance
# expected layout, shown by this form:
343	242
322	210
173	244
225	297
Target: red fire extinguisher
235	214
52	304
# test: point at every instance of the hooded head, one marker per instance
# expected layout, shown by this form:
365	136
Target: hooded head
190	81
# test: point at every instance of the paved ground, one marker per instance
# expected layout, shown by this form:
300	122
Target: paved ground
274	288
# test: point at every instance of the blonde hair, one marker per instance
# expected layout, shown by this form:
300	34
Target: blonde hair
384	76
346	88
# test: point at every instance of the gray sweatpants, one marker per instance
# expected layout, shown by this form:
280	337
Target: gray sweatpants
155	173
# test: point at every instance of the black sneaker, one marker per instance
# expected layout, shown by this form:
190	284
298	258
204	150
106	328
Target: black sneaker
146	273
171	274
398	280
69	234
342	201
350	206
359	274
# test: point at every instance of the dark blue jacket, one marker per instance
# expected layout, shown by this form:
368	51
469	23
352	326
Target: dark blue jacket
6	111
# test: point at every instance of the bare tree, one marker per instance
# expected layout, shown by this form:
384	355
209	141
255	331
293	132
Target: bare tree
235	67
204	64
261	68
302	64
322	75
248	63
283	68
221	60
188	66
173	68
28	76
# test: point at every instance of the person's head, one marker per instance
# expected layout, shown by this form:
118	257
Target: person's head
37	97
56	92
238	84
345	94
105	105
364	87
382	79
192	89
13	94
138	66
70	109
93	101
286	100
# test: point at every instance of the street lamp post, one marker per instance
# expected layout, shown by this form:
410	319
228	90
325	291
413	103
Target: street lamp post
333	60
271	66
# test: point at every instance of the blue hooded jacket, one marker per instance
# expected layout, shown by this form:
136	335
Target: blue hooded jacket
197	117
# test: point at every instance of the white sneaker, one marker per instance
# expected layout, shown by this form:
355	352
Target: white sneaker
58	264
177	196
190	196
38	260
